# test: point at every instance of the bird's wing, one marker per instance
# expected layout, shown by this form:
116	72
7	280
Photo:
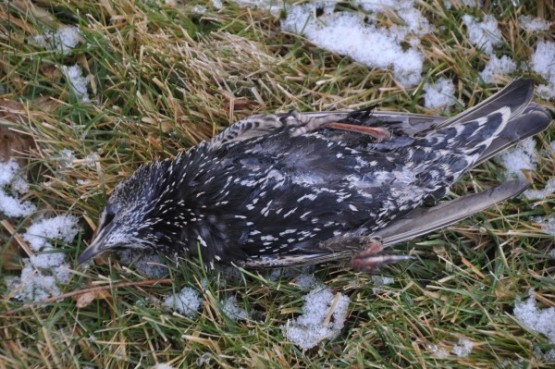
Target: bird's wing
300	123
425	220
418	222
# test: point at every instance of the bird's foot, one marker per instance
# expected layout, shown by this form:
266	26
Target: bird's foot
379	133
370	258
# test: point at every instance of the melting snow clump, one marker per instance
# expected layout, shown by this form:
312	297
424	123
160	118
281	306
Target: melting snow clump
186	302
463	348
12	185
47	268
63	40
541	321
440	94
542	63
541	194
78	83
547	224
232	309
521	157
346	33
484	35
497	67
323	317
532	25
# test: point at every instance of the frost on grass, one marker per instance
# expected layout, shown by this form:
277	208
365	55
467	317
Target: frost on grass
543	193
440	95
232	309
379	281
187	302
78	83
11	186
149	265
485	34
497	67
437	351
463	348
542	62
47	268
532	25
323	318
521	157
63	40
469	3
307	282
547	224
538	320
346	33
162	366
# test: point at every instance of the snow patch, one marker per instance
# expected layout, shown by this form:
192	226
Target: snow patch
463	348
521	157
484	35
346	33
543	62
232	309
532	25
78	83
538	320
63	40
439	95
12	185
496	67
187	302
323	318
541	194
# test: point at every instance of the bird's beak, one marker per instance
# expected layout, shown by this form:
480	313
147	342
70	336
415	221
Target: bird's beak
91	251
96	247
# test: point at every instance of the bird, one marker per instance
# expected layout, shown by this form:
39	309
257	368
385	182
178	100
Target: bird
291	189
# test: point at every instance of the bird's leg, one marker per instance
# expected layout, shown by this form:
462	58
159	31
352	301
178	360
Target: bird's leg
300	123
370	258
379	133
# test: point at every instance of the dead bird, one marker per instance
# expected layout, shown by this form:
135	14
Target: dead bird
288	189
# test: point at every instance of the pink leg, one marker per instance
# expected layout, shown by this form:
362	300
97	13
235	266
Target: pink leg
369	258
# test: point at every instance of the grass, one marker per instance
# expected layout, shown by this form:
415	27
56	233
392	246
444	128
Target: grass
163	79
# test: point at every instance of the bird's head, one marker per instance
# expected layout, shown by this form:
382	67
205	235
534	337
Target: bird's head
133	217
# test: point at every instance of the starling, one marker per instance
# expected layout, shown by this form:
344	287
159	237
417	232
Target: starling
304	188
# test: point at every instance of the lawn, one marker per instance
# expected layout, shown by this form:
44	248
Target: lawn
91	90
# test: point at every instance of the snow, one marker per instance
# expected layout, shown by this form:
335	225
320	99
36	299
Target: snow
483	35
532	25
497	67
317	321
232	310
547	224
552	146
521	157
463	348
543	62
541	194
78	83
44	271
186	302
307	282
538	320
62	227
439	95
11	184
379	281
63	40
217	4
438	352
346	33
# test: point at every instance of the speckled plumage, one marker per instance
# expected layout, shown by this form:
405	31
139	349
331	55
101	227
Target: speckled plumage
286	189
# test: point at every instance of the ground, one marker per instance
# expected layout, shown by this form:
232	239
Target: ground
89	91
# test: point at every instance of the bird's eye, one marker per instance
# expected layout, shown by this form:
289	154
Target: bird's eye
107	216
